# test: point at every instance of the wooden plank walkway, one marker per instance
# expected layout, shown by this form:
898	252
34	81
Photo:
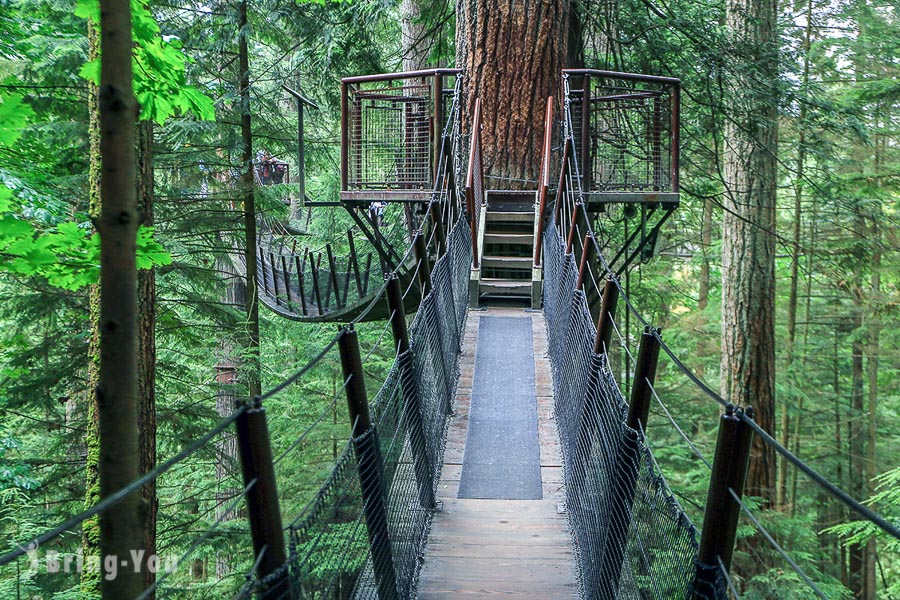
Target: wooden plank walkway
519	548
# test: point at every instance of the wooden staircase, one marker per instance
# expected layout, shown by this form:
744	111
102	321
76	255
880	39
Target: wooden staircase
508	246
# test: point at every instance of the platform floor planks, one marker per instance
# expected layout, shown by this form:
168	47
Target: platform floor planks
485	548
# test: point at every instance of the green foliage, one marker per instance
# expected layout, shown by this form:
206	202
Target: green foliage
160	84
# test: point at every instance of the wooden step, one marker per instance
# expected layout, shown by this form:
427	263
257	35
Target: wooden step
505	287
509	238
503	216
507	262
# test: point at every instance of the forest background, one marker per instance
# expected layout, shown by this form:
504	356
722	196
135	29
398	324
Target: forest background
837	97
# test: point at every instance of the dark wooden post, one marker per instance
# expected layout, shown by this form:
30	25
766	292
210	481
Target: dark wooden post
437	221
332	266
355	262
607	314
262	269
644	376
424	268
313	268
369	464
586	253
287	282
300	286
544	184
729	472
273	268
263	511
411	406
630	461
573	228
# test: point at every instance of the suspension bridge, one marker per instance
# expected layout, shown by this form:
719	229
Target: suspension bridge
500	456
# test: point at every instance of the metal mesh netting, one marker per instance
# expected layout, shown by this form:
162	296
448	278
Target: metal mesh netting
390	136
630	135
402	453
631	537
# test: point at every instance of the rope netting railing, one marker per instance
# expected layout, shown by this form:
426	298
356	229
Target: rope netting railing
395	461
632	537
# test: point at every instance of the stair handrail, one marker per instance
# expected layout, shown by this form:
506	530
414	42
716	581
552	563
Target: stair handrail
544	181
475	181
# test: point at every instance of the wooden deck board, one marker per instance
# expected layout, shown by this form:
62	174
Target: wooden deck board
484	548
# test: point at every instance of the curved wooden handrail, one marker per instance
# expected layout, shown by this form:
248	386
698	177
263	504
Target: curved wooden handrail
545	181
475	181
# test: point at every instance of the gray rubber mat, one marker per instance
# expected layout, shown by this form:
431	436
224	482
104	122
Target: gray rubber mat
503	455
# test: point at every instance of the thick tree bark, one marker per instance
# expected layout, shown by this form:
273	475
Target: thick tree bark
90	529
147	351
121	527
512	52
416	41
748	248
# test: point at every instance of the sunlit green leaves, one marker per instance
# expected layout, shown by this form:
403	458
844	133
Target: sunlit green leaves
14	115
160	85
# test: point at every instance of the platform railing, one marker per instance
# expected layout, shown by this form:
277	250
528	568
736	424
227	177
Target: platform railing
627	130
391	133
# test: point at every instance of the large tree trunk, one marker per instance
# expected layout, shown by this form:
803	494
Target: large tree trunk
748	248
121	527
512	53
416	41
90	529
147	352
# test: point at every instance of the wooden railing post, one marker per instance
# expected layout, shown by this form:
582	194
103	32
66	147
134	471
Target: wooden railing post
607	314
586	253
473	204
629	462
411	406
544	183
437	222
263	511
644	376
729	472
369	464
573	226
423	268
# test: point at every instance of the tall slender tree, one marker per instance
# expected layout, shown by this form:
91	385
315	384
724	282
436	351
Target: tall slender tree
748	245
121	527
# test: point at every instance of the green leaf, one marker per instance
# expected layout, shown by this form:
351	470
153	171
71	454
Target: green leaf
14	115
